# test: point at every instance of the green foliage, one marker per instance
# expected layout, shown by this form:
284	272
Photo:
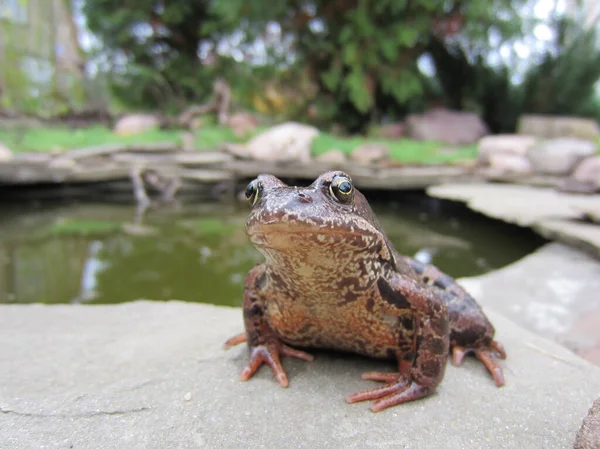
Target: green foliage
564	81
362	56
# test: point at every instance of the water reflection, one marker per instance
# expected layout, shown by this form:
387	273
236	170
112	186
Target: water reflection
98	253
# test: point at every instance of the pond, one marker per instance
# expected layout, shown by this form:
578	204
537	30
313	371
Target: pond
97	253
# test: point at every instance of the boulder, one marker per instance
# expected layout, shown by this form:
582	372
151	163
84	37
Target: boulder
559	156
588	171
588	436
391	131
509	163
370	153
505	144
136	123
5	153
288	142
451	127
242	124
550	127
332	157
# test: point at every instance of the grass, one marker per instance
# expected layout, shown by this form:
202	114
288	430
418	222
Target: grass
57	139
406	151
211	136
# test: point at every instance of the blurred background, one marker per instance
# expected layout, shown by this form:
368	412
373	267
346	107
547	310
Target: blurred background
343	65
129	129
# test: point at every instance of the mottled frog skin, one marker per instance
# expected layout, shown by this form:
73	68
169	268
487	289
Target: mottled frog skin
332	279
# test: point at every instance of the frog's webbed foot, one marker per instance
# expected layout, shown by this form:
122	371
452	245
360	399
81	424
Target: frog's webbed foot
398	390
268	353
487	355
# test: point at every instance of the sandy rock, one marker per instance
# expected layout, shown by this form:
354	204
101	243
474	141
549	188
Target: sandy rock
370	153
451	127
509	163
588	436
588	170
154	375
5	153
504	143
288	142
242	124
62	163
196	123
136	124
332	157
391	131
559	156
188	141
549	127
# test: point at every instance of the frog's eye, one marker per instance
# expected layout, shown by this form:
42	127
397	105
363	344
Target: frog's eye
253	191
341	189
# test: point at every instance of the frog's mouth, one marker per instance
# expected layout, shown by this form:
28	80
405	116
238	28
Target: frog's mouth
302	236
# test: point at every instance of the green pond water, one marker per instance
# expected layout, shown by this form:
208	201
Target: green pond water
106	253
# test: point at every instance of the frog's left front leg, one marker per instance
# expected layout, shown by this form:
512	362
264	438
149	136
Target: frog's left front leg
422	348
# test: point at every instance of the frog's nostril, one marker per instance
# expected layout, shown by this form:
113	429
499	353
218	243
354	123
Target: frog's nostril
304	198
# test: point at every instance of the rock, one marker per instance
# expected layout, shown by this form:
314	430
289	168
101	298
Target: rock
5	153
450	127
332	157
546	292
188	141
571	185
588	436
504	143
155	375
509	163
196	123
62	163
550	127
242	124
370	153
559	156
588	170
136	124
288	142
391	131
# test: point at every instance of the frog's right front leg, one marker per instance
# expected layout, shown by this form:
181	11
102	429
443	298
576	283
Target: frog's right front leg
265	346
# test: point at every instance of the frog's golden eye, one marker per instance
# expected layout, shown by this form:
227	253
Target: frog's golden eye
341	189
253	191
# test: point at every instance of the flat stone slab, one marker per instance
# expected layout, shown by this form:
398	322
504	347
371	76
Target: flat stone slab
154	375
553	292
554	214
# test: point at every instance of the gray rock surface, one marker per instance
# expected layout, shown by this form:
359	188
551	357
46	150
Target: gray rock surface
552	213
5	153
512	144
549	292
550	126
559	156
153	375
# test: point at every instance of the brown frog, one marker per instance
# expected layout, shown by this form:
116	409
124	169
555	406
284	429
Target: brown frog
332	279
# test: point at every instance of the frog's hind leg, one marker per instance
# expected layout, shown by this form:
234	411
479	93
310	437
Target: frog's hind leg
422	347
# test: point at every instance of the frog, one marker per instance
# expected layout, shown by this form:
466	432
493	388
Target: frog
332	280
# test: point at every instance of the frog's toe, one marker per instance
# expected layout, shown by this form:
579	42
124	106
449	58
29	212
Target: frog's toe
397	392
487	355
491	363
269	353
235	340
